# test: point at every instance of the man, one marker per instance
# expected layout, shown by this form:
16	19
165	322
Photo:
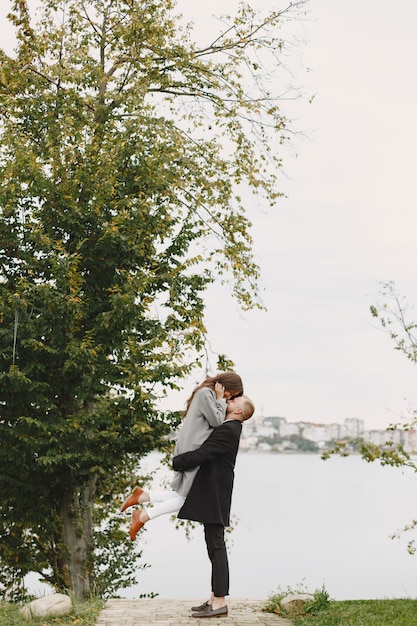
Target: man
210	496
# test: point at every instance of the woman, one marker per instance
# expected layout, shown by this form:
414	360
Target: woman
205	410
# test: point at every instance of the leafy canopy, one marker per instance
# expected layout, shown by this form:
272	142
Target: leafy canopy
124	147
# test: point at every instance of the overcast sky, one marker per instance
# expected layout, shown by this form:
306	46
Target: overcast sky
349	221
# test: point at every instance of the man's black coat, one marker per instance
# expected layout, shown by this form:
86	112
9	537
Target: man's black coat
210	497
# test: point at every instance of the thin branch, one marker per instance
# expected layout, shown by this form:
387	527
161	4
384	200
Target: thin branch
32	69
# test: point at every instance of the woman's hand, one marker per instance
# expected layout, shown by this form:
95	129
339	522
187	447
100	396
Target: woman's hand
219	391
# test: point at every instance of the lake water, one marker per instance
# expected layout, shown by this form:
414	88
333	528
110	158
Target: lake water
301	521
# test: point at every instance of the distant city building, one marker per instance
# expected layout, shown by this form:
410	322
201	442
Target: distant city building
314	432
377	437
275	422
276	434
289	428
411	440
335	432
354	427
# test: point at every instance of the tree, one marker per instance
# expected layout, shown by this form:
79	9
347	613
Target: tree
124	147
394	315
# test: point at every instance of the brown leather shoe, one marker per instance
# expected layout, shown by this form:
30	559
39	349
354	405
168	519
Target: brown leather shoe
132	499
209	612
200	607
136	525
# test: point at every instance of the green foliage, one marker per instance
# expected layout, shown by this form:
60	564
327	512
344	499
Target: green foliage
224	364
116	561
325	612
389	453
320	602
273	603
83	614
123	149
394	315
303	444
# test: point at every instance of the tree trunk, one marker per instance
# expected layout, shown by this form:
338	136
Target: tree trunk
77	516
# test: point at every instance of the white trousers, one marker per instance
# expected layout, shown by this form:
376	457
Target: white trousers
168	502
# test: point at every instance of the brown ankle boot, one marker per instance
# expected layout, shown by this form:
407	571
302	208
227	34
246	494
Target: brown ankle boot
136	525
132	499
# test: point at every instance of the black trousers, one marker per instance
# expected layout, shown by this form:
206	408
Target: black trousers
216	548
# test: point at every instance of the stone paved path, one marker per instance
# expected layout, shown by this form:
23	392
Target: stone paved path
156	612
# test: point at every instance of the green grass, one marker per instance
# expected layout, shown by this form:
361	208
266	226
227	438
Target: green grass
323	611
83	614
363	613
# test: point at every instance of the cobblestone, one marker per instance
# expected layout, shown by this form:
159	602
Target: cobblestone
157	612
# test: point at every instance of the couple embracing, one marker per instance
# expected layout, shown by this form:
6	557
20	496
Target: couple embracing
204	460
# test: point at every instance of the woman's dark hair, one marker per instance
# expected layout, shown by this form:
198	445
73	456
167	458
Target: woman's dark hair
230	381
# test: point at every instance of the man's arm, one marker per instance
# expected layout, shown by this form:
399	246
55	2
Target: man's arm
219	442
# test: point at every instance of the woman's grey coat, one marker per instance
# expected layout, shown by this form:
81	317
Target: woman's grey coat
205	413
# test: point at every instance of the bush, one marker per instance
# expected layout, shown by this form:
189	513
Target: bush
320	602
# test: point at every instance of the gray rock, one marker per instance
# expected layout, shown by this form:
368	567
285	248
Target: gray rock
295	602
48	606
